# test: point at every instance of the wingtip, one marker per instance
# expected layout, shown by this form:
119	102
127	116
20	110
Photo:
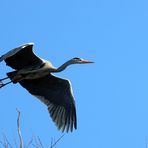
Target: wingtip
27	44
31	43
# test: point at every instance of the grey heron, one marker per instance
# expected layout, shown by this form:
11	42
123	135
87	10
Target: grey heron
35	75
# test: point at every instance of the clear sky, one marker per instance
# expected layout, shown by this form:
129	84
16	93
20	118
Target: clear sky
111	95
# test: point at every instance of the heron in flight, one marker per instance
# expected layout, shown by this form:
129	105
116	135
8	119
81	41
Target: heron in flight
35	75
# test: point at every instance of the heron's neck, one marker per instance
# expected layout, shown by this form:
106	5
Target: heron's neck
63	66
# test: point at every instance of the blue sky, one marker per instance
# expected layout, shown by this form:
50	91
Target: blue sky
111	95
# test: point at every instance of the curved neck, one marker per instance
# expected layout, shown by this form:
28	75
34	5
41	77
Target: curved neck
62	67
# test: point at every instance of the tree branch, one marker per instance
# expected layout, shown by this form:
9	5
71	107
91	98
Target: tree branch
18	129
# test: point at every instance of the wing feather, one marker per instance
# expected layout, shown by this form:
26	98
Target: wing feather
56	93
21	57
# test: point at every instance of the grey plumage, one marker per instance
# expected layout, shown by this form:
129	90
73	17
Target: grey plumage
34	74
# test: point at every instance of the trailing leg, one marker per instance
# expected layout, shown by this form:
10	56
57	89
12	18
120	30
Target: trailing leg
3	79
4	84
9	75
1	82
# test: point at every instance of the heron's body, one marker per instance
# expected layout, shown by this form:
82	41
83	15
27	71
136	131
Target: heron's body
34	74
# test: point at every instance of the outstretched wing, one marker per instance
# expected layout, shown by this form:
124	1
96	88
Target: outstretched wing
21	57
56	93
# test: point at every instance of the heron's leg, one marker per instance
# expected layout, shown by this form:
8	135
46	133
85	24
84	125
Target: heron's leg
1	82
3	79
4	84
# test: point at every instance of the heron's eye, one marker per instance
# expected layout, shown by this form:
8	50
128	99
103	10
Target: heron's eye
76	58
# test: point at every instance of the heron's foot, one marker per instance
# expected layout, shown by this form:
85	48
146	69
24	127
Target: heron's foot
1	84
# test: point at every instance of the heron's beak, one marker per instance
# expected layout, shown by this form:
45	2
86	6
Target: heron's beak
86	61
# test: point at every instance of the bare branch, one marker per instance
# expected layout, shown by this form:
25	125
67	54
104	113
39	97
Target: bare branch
29	143
37	143
54	144
34	141
6	141
2	143
18	129
51	142
40	142
15	142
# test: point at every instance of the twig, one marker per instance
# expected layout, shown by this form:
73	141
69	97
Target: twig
40	142
18	129
37	143
51	142
29	143
54	144
146	143
2	143
6	141
15	143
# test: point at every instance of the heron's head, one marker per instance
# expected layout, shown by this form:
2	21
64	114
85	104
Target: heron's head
77	60
72	61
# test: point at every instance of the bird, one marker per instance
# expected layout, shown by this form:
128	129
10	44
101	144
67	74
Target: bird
36	76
